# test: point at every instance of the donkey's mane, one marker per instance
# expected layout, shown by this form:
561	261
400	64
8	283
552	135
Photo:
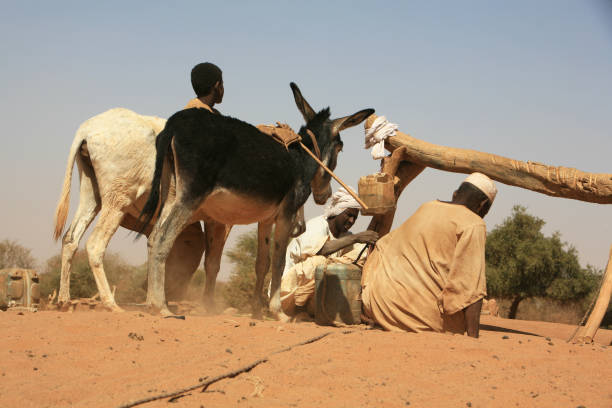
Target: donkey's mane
316	124
319	119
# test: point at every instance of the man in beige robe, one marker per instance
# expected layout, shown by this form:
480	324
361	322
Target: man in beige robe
429	274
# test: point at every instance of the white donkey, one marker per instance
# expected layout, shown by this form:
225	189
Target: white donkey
115	155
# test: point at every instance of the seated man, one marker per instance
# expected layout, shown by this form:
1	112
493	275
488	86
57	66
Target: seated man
429	274
325	237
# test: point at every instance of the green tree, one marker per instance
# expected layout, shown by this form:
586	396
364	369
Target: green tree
238	292
14	255
523	263
128	279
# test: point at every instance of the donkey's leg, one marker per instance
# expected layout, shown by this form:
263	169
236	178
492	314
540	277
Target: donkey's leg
282	233
183	261
299	224
262	264
109	221
216	235
89	205
173	220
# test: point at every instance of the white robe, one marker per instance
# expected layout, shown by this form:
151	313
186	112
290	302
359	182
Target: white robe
298	281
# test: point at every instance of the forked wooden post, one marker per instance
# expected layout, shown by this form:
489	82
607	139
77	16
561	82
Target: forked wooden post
586	334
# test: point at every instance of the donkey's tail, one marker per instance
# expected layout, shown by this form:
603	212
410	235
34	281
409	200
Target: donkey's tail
61	212
150	208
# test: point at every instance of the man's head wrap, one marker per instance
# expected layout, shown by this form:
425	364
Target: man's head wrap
203	77
483	183
340	201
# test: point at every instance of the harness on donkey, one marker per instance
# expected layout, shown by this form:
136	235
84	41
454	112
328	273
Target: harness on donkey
283	134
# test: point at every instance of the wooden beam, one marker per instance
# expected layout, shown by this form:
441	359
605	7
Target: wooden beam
556	181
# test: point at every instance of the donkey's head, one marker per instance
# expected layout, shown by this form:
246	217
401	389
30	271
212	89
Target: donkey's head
327	134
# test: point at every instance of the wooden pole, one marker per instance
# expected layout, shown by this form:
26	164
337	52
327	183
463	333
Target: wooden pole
554	181
403	173
586	334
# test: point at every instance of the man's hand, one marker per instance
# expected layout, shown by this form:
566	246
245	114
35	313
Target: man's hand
334	245
366	237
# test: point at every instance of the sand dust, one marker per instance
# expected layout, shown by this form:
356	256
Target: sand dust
99	359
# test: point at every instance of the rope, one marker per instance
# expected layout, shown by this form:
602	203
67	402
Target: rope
230	374
314	143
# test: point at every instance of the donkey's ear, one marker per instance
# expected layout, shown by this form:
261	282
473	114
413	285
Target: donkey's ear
348	121
307	112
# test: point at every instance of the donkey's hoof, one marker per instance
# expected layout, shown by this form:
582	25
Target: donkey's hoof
165	312
257	314
157	310
211	308
282	317
64	306
63	299
275	306
112	307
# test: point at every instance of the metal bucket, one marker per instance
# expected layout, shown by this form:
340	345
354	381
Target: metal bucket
19	288
338	294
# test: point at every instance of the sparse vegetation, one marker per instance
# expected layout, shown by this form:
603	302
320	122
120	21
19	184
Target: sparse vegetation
238	291
15	255
130	280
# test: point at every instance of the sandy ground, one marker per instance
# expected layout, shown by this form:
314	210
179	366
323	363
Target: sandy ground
99	359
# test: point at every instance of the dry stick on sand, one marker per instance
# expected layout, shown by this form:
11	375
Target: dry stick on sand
231	374
586	333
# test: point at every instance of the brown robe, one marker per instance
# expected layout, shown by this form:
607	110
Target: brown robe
423	274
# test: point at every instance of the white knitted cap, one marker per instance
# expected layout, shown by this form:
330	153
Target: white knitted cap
483	183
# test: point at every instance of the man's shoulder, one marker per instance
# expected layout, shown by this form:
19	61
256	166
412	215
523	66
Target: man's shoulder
460	214
319	222
197	103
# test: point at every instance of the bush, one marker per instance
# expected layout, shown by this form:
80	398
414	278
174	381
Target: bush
238	291
129	280
546	310
14	255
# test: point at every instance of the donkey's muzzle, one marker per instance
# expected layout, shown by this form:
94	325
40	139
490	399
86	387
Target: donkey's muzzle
322	197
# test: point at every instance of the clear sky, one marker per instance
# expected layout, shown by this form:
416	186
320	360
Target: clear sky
529	80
